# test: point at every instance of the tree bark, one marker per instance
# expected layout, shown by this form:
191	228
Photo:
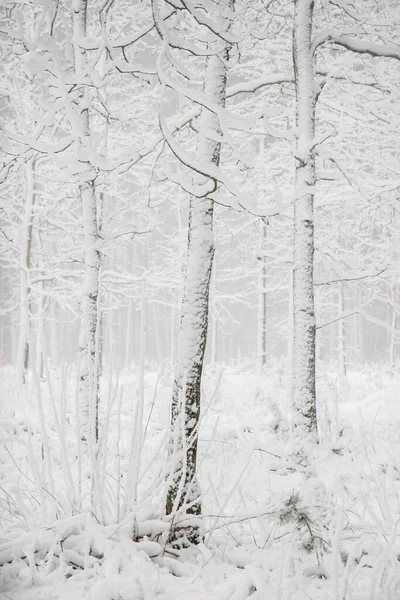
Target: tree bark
262	303
342	334
25	264
184	492
90	332
393	323
304	396
214	318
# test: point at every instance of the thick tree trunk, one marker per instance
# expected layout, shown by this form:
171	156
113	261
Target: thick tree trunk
304	397
184	493
90	332
186	397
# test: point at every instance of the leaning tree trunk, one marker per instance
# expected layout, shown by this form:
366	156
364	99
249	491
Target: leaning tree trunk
90	335
184	494
304	397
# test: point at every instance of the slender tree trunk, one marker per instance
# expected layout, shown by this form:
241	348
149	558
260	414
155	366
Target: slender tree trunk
343	385
54	333
393	335
358	331
342	335
40	334
262	278
304	397
184	492
25	264
214	321
289	351
129	336
262	304
89	346
90	335
41	306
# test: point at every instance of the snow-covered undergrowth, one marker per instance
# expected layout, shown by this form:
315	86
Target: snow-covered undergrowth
272	529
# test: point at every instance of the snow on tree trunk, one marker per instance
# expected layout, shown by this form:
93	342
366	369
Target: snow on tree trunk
25	263
304	397
90	326
89	338
342	334
214	314
262	279
289	351
184	492
262	303
342	351
394	322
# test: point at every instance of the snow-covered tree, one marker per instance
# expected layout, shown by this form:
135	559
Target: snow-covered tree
183	495
308	40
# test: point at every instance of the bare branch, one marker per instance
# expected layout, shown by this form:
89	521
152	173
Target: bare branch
341	279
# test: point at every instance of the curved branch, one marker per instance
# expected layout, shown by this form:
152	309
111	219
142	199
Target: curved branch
356	45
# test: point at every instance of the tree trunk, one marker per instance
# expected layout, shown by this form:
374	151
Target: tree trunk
290	352
25	264
90	335
262	303
342	335
214	319
304	397
343	385
184	492
262	277
393	324
90	326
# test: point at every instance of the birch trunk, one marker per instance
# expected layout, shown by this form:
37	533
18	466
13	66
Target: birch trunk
304	397
25	264
184	492
90	326
89	339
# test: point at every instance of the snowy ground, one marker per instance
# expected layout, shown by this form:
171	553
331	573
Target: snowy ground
273	530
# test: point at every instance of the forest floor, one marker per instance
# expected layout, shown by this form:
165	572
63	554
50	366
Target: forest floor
272	530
